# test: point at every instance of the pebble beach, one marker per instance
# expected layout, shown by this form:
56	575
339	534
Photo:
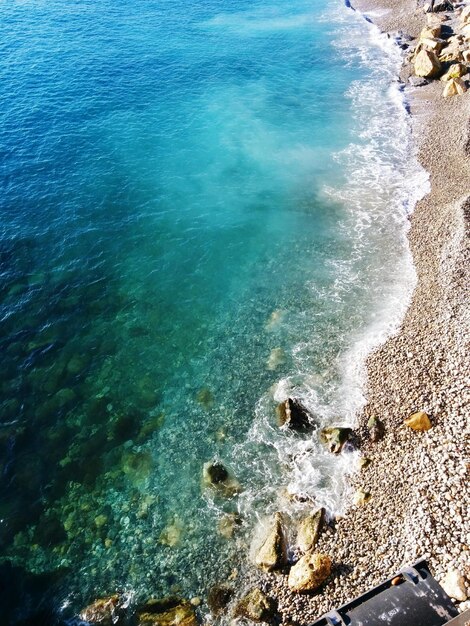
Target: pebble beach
418	481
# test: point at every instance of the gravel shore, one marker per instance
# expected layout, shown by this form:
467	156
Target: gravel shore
418	481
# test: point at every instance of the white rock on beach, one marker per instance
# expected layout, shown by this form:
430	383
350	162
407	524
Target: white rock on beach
454	87
309	572
453	584
427	64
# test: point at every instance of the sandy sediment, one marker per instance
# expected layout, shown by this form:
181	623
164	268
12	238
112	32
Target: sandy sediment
419	481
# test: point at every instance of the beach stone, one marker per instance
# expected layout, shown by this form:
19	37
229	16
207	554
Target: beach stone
453	584
451	54
308	530
103	611
466	32
361	497
293	414
218	598
456	70
216	476
432	43
256	606
418	81
166	612
465	15
466	56
273	551
309	572
419	421
335	438
427	64
431	31
376	429
439	6
228	524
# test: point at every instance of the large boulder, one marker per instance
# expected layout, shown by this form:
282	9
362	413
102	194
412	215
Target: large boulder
454	87
102	612
218	598
456	70
335	438
420	420
309	572
256	606
272	554
308	530
293	414
166	612
217	477
427	64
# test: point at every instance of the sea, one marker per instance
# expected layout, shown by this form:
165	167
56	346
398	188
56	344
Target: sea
203	212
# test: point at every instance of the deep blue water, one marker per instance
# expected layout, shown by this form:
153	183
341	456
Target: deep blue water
203	210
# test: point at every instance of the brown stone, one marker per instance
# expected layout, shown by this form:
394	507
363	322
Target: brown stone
419	420
309	572
427	64
308	530
166	612
273	552
256	606
102	612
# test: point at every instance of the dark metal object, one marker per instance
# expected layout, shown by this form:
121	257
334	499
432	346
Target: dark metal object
411	598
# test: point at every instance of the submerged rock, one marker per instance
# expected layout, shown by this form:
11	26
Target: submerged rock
205	398
273	551
218	598
171	534
216	476
228	524
277	357
419	421
335	438
308	530
294	415
104	611
256	606
309	572
166	612
427	64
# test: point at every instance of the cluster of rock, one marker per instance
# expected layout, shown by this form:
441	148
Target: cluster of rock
443	50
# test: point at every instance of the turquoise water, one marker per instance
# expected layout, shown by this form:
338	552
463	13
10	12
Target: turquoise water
203	210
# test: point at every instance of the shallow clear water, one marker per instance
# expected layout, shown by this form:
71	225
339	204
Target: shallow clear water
203	210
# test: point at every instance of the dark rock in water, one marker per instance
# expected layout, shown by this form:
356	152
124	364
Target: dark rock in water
102	612
335	438
49	531
218	598
418	81
217	476
217	473
167	612
293	414
376	429
256	606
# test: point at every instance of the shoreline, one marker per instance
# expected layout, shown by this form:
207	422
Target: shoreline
417	480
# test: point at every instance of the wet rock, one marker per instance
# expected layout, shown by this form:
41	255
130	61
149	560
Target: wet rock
309	530
272	554
419	421
103	612
364	462
454	87
216	476
456	70
361	497
376	429
335	438
453	584
171	534
256	606
418	81
294	415
167	612
309	572
427	64
218	598
228	524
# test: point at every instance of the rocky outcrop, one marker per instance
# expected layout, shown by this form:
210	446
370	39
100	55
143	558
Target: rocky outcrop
293	414
419	421
217	477
335	438
256	606
166	612
272	554
308	530
309	572
103	612
427	64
